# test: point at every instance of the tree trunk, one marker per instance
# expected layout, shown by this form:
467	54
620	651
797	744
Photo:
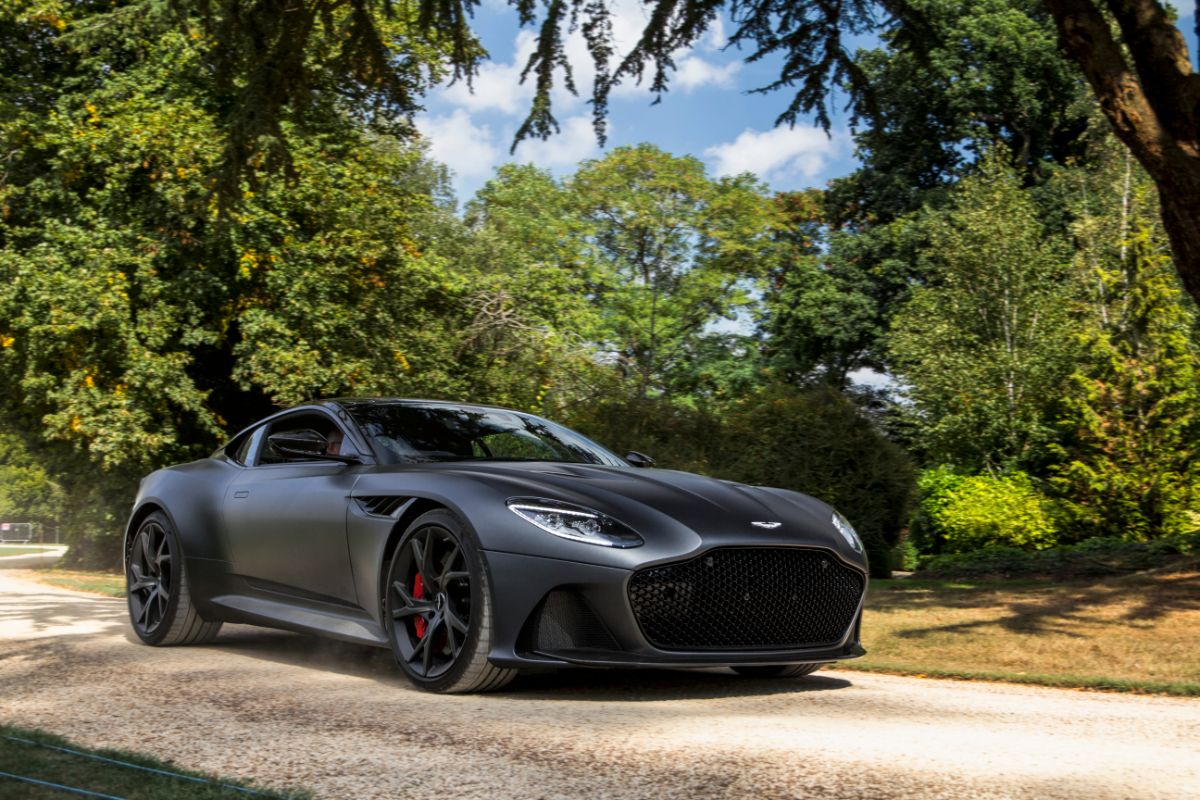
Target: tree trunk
1152	104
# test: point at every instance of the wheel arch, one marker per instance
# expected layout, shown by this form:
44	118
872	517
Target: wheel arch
418	507
144	509
415	509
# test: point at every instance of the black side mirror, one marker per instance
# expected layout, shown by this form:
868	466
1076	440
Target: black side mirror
639	459
305	443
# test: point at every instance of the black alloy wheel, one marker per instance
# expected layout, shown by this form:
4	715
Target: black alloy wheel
438	611
149	577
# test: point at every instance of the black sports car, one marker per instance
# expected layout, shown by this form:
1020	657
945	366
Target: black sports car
476	542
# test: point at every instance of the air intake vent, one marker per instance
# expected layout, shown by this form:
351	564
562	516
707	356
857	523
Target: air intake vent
381	505
747	598
564	621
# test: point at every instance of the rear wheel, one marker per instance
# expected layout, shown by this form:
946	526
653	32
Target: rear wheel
778	670
160	604
438	609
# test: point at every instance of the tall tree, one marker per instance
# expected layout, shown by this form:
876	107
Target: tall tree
1128	445
983	349
138	324
675	252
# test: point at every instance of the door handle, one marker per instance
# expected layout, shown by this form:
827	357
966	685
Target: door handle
241	493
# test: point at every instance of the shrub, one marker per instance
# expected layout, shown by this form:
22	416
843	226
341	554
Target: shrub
935	489
982	511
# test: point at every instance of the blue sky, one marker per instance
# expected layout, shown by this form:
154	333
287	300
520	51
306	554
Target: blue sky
708	112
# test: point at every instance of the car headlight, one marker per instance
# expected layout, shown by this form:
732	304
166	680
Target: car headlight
574	522
847	531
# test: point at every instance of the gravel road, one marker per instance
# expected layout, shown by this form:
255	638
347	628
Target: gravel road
292	711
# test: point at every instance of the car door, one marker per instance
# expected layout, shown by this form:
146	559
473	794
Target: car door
285	519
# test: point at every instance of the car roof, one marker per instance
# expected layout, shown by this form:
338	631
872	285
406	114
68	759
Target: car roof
346	402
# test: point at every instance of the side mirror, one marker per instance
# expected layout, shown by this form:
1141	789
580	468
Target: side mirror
305	443
639	459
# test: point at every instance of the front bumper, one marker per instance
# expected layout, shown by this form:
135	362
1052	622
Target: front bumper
594	625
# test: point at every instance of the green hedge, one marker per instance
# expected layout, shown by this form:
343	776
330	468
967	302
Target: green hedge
1090	558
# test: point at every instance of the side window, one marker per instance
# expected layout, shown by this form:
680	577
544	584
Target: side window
318	423
241	450
247	447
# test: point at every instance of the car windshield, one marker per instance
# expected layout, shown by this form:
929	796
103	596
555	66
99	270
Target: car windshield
406	433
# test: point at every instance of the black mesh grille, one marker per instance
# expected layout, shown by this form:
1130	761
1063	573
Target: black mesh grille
747	598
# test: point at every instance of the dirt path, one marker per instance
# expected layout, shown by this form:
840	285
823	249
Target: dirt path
296	711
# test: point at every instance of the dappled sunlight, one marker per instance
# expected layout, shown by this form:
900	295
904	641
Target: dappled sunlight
42	614
1136	628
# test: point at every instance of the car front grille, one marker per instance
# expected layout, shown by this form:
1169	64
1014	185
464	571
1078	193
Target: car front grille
747	598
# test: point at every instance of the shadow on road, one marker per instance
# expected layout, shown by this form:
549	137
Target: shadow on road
38	614
569	684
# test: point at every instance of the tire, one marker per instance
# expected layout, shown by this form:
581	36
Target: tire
778	670
161	611
437	608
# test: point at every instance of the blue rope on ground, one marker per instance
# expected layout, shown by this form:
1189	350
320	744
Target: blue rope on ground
127	765
59	787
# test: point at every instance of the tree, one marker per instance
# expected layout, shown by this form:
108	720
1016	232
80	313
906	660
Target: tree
530	338
1129	433
674	252
26	492
983	349
138	323
991	72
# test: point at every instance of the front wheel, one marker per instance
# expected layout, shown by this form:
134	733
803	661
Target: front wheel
777	670
438	609
156	587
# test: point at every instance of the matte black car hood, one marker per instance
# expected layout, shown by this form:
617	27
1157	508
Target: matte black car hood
705	505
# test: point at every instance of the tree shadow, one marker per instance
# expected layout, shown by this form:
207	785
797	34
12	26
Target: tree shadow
1044	608
37	614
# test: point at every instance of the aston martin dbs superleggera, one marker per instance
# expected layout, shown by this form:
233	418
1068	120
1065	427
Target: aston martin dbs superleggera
476	542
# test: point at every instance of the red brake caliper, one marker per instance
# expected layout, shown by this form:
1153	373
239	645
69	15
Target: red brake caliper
418	592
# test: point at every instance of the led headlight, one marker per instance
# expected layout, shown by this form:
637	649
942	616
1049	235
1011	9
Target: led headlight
847	531
574	522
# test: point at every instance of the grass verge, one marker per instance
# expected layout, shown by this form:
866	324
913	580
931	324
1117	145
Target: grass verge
21	550
108	584
40	762
1135	633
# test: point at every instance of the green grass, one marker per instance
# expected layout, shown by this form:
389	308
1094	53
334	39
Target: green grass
1134	633
69	769
109	584
21	550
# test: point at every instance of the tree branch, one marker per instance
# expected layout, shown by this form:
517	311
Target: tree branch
1085	34
1160	55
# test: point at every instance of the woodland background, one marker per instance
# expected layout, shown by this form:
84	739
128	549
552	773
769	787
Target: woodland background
177	261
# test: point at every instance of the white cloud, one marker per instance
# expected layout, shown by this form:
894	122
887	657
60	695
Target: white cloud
776	154
692	73
715	38
497	86
465	147
574	143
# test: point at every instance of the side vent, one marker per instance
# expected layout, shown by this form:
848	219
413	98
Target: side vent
381	505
